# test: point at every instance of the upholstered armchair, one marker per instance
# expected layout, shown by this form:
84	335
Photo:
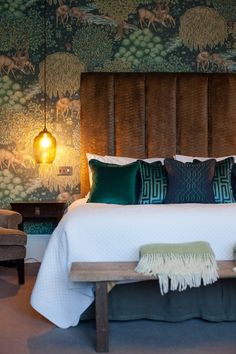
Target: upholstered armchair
12	241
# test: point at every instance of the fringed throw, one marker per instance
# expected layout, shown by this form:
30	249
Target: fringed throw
179	265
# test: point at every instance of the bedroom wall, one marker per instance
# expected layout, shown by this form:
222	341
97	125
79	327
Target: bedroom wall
90	35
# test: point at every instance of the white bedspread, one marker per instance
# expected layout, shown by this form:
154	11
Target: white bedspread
105	232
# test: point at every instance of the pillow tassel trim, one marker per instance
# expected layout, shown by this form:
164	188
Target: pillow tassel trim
177	272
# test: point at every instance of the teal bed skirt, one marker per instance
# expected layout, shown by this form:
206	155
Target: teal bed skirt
215	302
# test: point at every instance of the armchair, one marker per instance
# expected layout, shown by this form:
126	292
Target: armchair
12	241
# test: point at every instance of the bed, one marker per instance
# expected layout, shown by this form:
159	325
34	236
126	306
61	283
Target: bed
144	116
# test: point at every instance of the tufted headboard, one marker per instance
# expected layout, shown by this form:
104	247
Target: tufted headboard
156	114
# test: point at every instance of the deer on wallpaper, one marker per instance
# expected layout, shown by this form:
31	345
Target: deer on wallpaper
205	60
8	65
64	106
159	15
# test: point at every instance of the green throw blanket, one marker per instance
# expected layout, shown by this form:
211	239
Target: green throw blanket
179	265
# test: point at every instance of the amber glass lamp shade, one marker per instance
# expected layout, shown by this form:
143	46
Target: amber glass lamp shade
45	147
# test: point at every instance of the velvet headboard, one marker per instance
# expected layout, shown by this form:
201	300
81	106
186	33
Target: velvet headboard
156	114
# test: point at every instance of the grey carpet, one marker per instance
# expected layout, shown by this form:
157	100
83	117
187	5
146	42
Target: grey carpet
23	331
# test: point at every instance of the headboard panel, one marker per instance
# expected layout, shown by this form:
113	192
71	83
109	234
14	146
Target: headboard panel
192	115
156	114
222	115
160	114
129	100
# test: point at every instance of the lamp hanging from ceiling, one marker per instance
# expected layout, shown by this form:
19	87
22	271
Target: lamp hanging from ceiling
45	144
45	147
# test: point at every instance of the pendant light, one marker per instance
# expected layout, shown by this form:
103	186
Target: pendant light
45	144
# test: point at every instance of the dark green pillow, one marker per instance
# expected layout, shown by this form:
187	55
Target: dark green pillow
190	182
113	184
222	187
153	182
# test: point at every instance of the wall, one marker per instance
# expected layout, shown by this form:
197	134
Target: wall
90	35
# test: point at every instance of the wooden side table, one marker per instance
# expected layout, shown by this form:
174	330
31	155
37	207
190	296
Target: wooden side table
39	210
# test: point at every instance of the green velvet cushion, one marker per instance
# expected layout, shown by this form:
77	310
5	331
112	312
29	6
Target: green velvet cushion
222	188
190	182
154	182
113	184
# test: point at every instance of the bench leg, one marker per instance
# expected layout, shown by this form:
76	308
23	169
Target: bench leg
102	330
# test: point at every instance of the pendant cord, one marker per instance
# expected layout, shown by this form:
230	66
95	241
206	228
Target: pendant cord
45	144
44	67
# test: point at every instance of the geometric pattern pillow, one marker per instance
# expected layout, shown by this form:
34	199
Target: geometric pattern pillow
190	182
222	187
154	182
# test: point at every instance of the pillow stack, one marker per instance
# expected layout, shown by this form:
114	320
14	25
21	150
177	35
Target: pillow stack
125	180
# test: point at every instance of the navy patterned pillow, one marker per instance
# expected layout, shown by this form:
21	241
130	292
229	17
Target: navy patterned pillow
190	182
233	180
222	187
154	182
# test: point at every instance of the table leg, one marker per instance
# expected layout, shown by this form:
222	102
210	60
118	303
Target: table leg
102	330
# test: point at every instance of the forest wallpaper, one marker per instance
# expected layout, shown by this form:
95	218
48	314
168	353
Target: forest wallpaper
82	36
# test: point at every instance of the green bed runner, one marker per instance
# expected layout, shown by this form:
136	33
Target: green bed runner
178	266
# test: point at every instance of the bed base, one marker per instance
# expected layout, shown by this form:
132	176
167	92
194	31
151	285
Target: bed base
103	272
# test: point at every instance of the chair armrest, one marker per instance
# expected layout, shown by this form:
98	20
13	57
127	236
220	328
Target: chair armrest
10	219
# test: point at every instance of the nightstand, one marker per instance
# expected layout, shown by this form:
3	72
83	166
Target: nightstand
39	210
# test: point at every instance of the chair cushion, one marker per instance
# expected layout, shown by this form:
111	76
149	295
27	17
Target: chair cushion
12	252
10	237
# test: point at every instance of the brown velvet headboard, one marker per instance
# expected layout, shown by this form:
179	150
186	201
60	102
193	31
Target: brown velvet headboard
146	115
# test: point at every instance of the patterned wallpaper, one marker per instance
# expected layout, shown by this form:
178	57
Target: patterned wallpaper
90	35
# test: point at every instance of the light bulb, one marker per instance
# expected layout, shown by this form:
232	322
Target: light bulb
45	141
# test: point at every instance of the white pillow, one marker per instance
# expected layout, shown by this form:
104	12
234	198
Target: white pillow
184	158
121	160
118	160
96	157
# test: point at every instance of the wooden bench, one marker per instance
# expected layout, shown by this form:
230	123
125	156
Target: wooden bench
103	272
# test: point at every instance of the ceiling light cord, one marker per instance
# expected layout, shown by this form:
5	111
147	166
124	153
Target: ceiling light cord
45	144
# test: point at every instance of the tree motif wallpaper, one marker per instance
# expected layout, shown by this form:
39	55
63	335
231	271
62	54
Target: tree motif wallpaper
90	35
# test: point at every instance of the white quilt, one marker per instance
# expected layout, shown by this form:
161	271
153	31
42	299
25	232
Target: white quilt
105	232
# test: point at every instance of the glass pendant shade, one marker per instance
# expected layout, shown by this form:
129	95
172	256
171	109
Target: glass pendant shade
45	147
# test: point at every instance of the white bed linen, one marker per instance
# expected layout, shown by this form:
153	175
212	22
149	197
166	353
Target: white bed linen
105	232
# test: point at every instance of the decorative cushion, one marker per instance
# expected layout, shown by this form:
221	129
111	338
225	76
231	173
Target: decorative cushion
233	180
114	184
154	182
222	188
190	182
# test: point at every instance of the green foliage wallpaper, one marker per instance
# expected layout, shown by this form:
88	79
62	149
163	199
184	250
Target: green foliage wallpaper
90	35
